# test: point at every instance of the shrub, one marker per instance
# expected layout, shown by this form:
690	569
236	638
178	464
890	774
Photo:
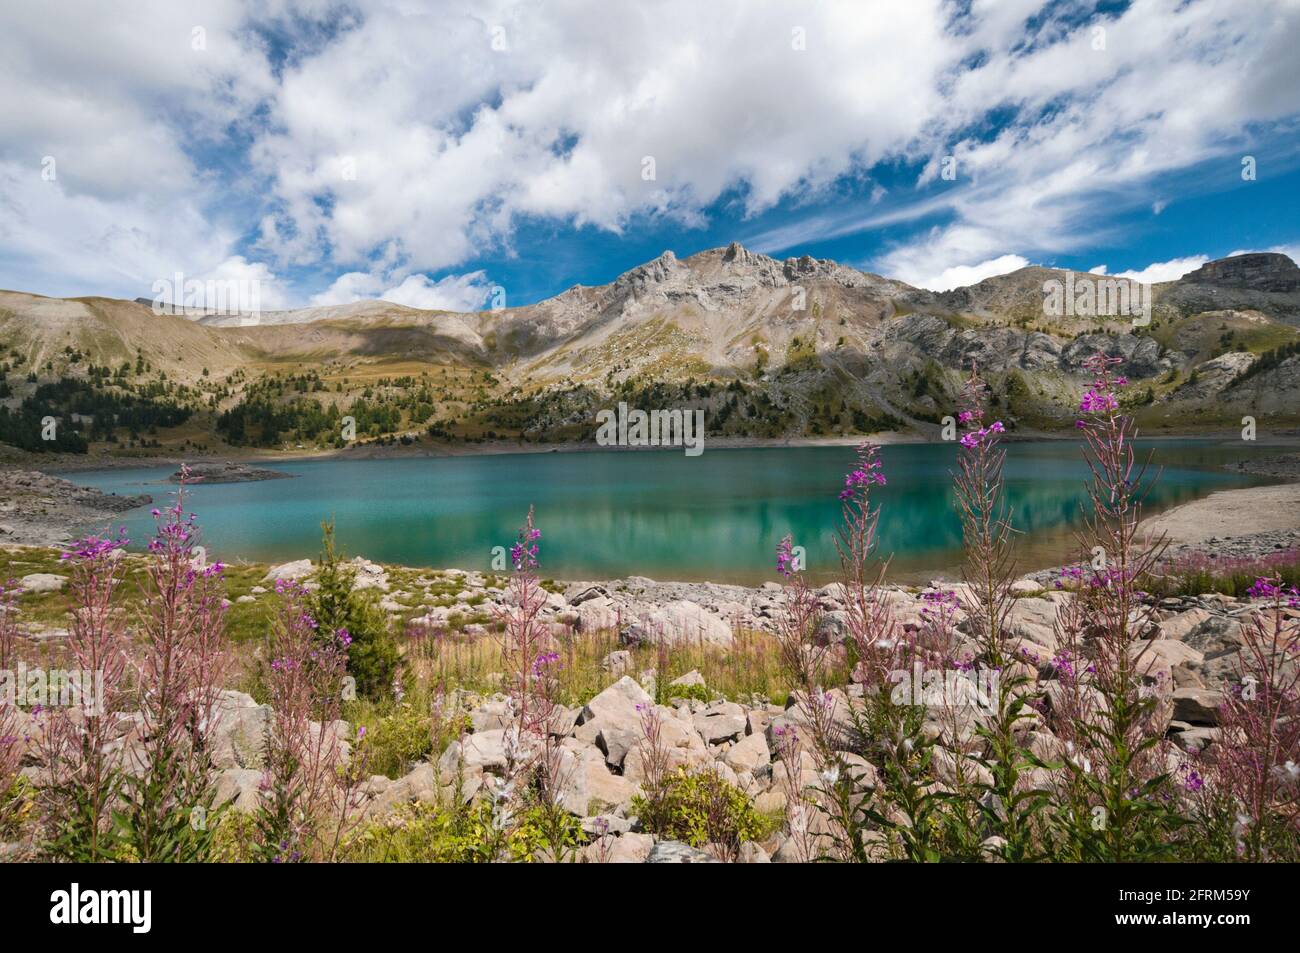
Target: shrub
702	808
373	658
395	741
694	692
428	833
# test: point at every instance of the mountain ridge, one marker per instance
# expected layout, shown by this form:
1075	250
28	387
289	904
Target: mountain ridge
771	348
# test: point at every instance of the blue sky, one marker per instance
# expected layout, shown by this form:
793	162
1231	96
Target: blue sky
332	152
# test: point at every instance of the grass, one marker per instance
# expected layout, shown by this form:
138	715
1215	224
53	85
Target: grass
401	732
1231	576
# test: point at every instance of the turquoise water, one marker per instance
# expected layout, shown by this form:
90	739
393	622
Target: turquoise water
605	514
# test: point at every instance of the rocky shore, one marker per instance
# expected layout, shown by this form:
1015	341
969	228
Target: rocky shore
37	509
227	471
1188	655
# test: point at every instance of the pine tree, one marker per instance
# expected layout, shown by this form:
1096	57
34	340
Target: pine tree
373	658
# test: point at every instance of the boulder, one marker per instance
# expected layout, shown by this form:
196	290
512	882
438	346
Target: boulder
597	614
626	848
421	783
239	738
586	785
1215	636
290	572
1157	658
748	753
617	703
689	680
1033	620
680	623
682	744
720	721
240	787
43	582
483	751
1177	626
619	662
1197	706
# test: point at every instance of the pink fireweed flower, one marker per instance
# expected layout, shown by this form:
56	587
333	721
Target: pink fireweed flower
544	661
523	554
1101	397
1265	588
1097	402
972	439
93	547
785	560
864	475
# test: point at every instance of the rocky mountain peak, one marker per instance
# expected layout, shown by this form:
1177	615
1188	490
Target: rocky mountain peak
643	278
1262	271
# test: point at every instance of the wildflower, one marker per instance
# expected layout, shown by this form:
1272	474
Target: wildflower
93	547
785	558
1265	588
1098	402
864	475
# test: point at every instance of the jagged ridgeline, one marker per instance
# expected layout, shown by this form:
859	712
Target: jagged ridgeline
767	348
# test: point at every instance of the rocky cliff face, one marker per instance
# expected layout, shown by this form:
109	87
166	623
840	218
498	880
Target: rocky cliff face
1259	272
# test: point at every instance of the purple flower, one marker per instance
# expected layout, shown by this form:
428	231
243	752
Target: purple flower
1265	588
785	559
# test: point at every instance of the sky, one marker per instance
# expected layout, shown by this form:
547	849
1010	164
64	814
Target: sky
431	152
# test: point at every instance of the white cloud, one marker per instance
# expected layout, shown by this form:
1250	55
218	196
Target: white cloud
395	132
959	276
1291	251
1098	130
465	292
1158	271
106	106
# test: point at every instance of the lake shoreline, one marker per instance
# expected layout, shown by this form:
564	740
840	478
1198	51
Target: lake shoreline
1239	522
74	463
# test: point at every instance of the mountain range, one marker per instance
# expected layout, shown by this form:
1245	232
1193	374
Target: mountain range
770	348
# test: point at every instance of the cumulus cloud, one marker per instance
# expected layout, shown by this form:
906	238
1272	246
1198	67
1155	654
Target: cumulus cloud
421	136
465	292
958	276
1158	271
1097	129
